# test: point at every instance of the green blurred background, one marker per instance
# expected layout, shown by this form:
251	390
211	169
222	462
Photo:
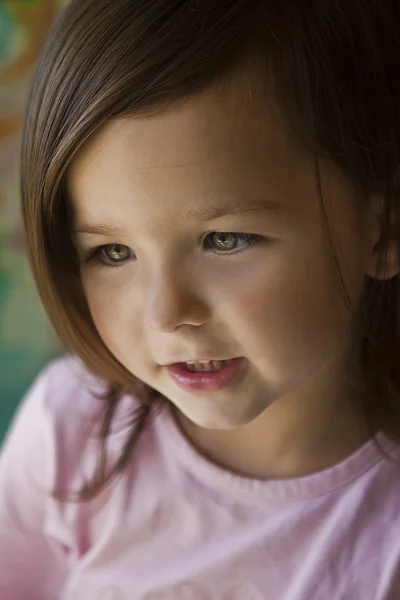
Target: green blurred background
26	339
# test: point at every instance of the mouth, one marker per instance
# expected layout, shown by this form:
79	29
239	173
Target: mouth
210	375
205	366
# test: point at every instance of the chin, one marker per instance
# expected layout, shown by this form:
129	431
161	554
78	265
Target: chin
224	420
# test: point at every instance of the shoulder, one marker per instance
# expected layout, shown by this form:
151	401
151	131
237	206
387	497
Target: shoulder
68	375
64	391
66	387
68	401
61	410
55	433
63	400
48	432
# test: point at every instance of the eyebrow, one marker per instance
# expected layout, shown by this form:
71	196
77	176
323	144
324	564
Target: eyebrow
210	213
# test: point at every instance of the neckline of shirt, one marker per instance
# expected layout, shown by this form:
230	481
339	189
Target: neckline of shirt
256	491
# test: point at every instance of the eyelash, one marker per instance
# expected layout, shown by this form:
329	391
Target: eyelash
96	256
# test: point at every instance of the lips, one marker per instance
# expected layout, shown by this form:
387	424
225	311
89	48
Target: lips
206	375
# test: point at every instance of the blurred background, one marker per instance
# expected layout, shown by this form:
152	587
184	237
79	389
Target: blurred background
26	339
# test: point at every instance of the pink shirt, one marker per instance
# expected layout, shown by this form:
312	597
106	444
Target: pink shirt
176	527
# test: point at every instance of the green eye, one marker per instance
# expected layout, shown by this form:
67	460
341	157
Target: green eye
229	241
116	253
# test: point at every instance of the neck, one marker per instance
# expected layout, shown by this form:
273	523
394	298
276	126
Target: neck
301	433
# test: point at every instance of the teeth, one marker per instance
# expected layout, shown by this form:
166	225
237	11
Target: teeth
195	362
207	365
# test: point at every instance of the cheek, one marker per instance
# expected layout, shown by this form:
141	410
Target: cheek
291	316
112	311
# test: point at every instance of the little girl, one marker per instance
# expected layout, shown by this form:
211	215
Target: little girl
211	198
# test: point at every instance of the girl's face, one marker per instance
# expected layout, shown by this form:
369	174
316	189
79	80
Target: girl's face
166	196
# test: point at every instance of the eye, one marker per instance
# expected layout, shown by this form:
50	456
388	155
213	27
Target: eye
226	242
115	253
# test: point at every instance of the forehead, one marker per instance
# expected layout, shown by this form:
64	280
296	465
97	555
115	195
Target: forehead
235	114
224	136
226	144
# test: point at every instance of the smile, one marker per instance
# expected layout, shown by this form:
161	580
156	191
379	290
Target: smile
206	365
213	375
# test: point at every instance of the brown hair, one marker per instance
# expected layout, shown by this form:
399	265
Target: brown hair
333	65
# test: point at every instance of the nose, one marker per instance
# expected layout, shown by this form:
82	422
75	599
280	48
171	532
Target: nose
173	299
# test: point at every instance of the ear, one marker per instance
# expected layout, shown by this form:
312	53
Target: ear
382	247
